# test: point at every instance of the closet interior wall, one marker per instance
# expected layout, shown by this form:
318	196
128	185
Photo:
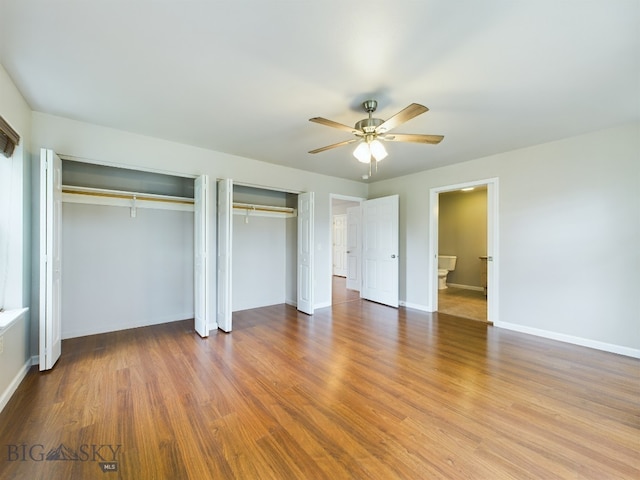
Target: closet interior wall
124	267
264	250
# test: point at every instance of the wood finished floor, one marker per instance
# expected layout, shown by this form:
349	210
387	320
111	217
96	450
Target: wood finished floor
357	391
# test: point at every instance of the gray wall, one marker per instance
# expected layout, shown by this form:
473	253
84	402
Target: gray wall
120	272
264	251
462	231
259	262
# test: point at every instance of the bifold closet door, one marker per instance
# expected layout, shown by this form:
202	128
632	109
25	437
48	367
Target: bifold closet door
225	205
50	344
201	257
305	252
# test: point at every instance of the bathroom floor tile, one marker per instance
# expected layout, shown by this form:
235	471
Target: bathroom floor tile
463	303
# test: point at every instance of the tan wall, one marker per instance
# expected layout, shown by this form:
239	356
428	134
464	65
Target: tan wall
462	231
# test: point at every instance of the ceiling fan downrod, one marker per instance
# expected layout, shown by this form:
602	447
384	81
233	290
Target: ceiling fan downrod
369	125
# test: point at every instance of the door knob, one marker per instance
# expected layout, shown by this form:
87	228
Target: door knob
393	256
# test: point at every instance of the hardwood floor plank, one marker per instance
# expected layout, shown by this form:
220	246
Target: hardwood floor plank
355	391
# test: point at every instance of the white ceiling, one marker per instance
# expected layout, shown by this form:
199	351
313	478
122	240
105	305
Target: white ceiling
244	76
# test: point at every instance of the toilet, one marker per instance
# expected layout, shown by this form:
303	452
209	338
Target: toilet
446	263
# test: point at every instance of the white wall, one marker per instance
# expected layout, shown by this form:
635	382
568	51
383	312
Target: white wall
120	272
15	218
569	231
114	147
15	359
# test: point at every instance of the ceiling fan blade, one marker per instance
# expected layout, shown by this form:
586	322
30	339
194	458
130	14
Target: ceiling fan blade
413	137
331	123
335	145
402	116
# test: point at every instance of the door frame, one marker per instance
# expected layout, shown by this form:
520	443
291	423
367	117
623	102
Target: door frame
492	243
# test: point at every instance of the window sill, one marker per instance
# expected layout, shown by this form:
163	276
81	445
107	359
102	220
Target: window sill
9	317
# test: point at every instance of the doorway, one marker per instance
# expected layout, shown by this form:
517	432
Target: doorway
462	244
476	271
340	253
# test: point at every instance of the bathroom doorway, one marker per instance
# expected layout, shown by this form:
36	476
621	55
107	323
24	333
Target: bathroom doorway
463	224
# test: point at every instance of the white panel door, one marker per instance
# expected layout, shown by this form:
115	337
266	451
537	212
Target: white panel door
50	258
201	257
380	250
225	205
340	245
354	242
305	253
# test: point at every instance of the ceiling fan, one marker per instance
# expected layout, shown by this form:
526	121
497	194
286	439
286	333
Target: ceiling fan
370	131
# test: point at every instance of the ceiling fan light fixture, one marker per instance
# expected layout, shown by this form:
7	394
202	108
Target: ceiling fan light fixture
366	151
363	152
377	150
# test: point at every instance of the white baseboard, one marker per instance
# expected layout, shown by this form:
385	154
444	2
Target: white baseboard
583	342
35	360
415	306
466	287
321	305
15	383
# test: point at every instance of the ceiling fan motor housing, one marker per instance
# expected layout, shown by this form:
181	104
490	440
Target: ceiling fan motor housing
370	106
368	125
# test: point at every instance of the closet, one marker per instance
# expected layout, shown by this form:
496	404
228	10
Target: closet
264	247
127	248
265	250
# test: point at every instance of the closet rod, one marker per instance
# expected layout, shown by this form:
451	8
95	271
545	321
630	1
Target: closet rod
263	208
126	195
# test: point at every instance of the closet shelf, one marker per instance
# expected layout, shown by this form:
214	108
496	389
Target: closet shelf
121	198
262	210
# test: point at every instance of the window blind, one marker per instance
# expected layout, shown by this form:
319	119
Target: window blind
9	138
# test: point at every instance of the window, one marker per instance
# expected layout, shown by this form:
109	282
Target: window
11	218
9	138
